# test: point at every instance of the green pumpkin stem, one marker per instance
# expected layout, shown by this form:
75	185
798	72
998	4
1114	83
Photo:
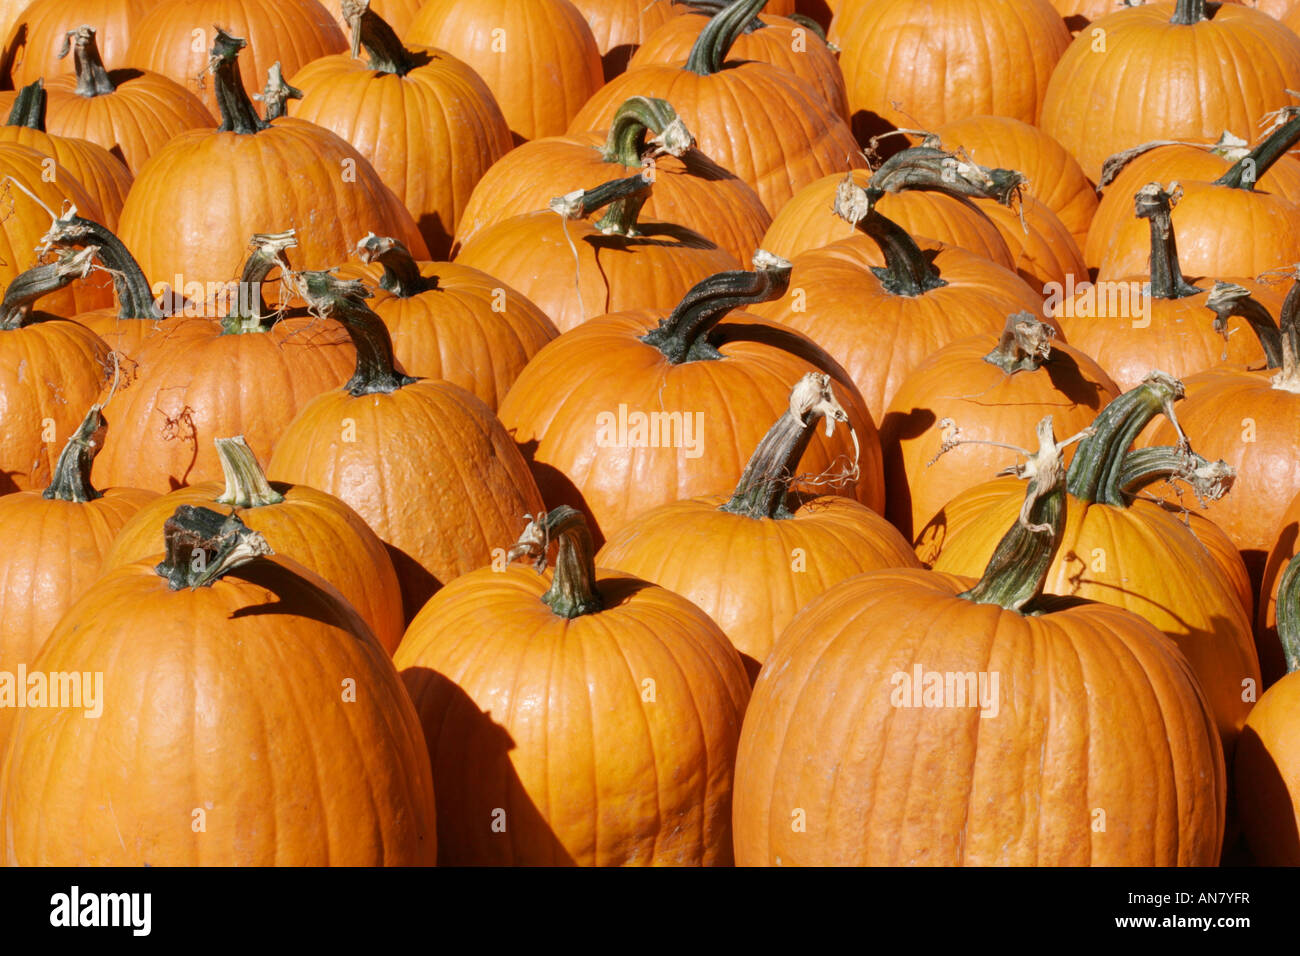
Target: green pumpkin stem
401	276
1025	344
344	301
1154	203
573	588
249	312
385	51
1142	467
135	298
1188	12
21	294
1095	473
71	479
711	8
277	93
639	118
29	107
246	484
765	483
237	112
1288	614
684	335
936	170
1015	575
92	77
1227	299
907	270
202	545
1250	169
716	39
624	197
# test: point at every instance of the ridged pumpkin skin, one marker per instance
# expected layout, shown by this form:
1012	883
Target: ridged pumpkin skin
1142	558
1043	251
103	176
36	37
619	27
428	467
538	57
1159	80
1096	709
545	718
290	32
315	529
1267	772
294	774
693	191
430	134
752	575
1054	176
806	221
922	65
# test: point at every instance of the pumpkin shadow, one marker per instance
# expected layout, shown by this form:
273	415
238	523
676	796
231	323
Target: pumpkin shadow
557	489
436	236
299	593
485	816
895	428
615	61
7	484
1272	663
414	579
867	125
1269	790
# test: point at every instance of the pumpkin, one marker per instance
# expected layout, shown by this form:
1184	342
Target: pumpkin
538	57
399	14
174	38
575	269
449	321
324	763
37	39
880	322
49	368
1043	252
766	38
425	121
10	11
316	529
671	399
923	65
689	188
1128	551
1167	71
262	176
412	457
987	395
761	122
54	541
751	560
580	716
619	27
1286	545
1158	319
910	718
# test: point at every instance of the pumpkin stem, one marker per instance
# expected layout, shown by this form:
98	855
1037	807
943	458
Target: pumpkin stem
683	336
716	39
1288	614
202	545
344	300
249	311
1229	147
135	299
765	483
711	8
573	588
27	287
71	479
385	51
237	112
625	197
277	93
1024	346
638	118
92	78
1095	472
1015	575
1154	203
1227	299
29	107
246	484
402	275
1188	12
936	170
1248	170
907	271
1288	377
1209	480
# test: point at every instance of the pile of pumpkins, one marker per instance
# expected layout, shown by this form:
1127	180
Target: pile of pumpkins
611	432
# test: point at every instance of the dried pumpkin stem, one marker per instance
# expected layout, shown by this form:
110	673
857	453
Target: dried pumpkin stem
22	293
1188	12
765	483
716	39
937	170
1227	299
202	545
907	271
385	51
1142	467
573	588
683	336
344	300
135	298
71	479
277	93
1154	203
246	484
1025	344
1248	170
249	313
401	276
1288	614
92	78
643	119
237	112
1095	473
624	197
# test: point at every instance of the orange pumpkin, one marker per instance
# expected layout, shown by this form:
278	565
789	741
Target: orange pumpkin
37	39
590	715
323	764
619	27
399	14
1043	252
908	718
1286	545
